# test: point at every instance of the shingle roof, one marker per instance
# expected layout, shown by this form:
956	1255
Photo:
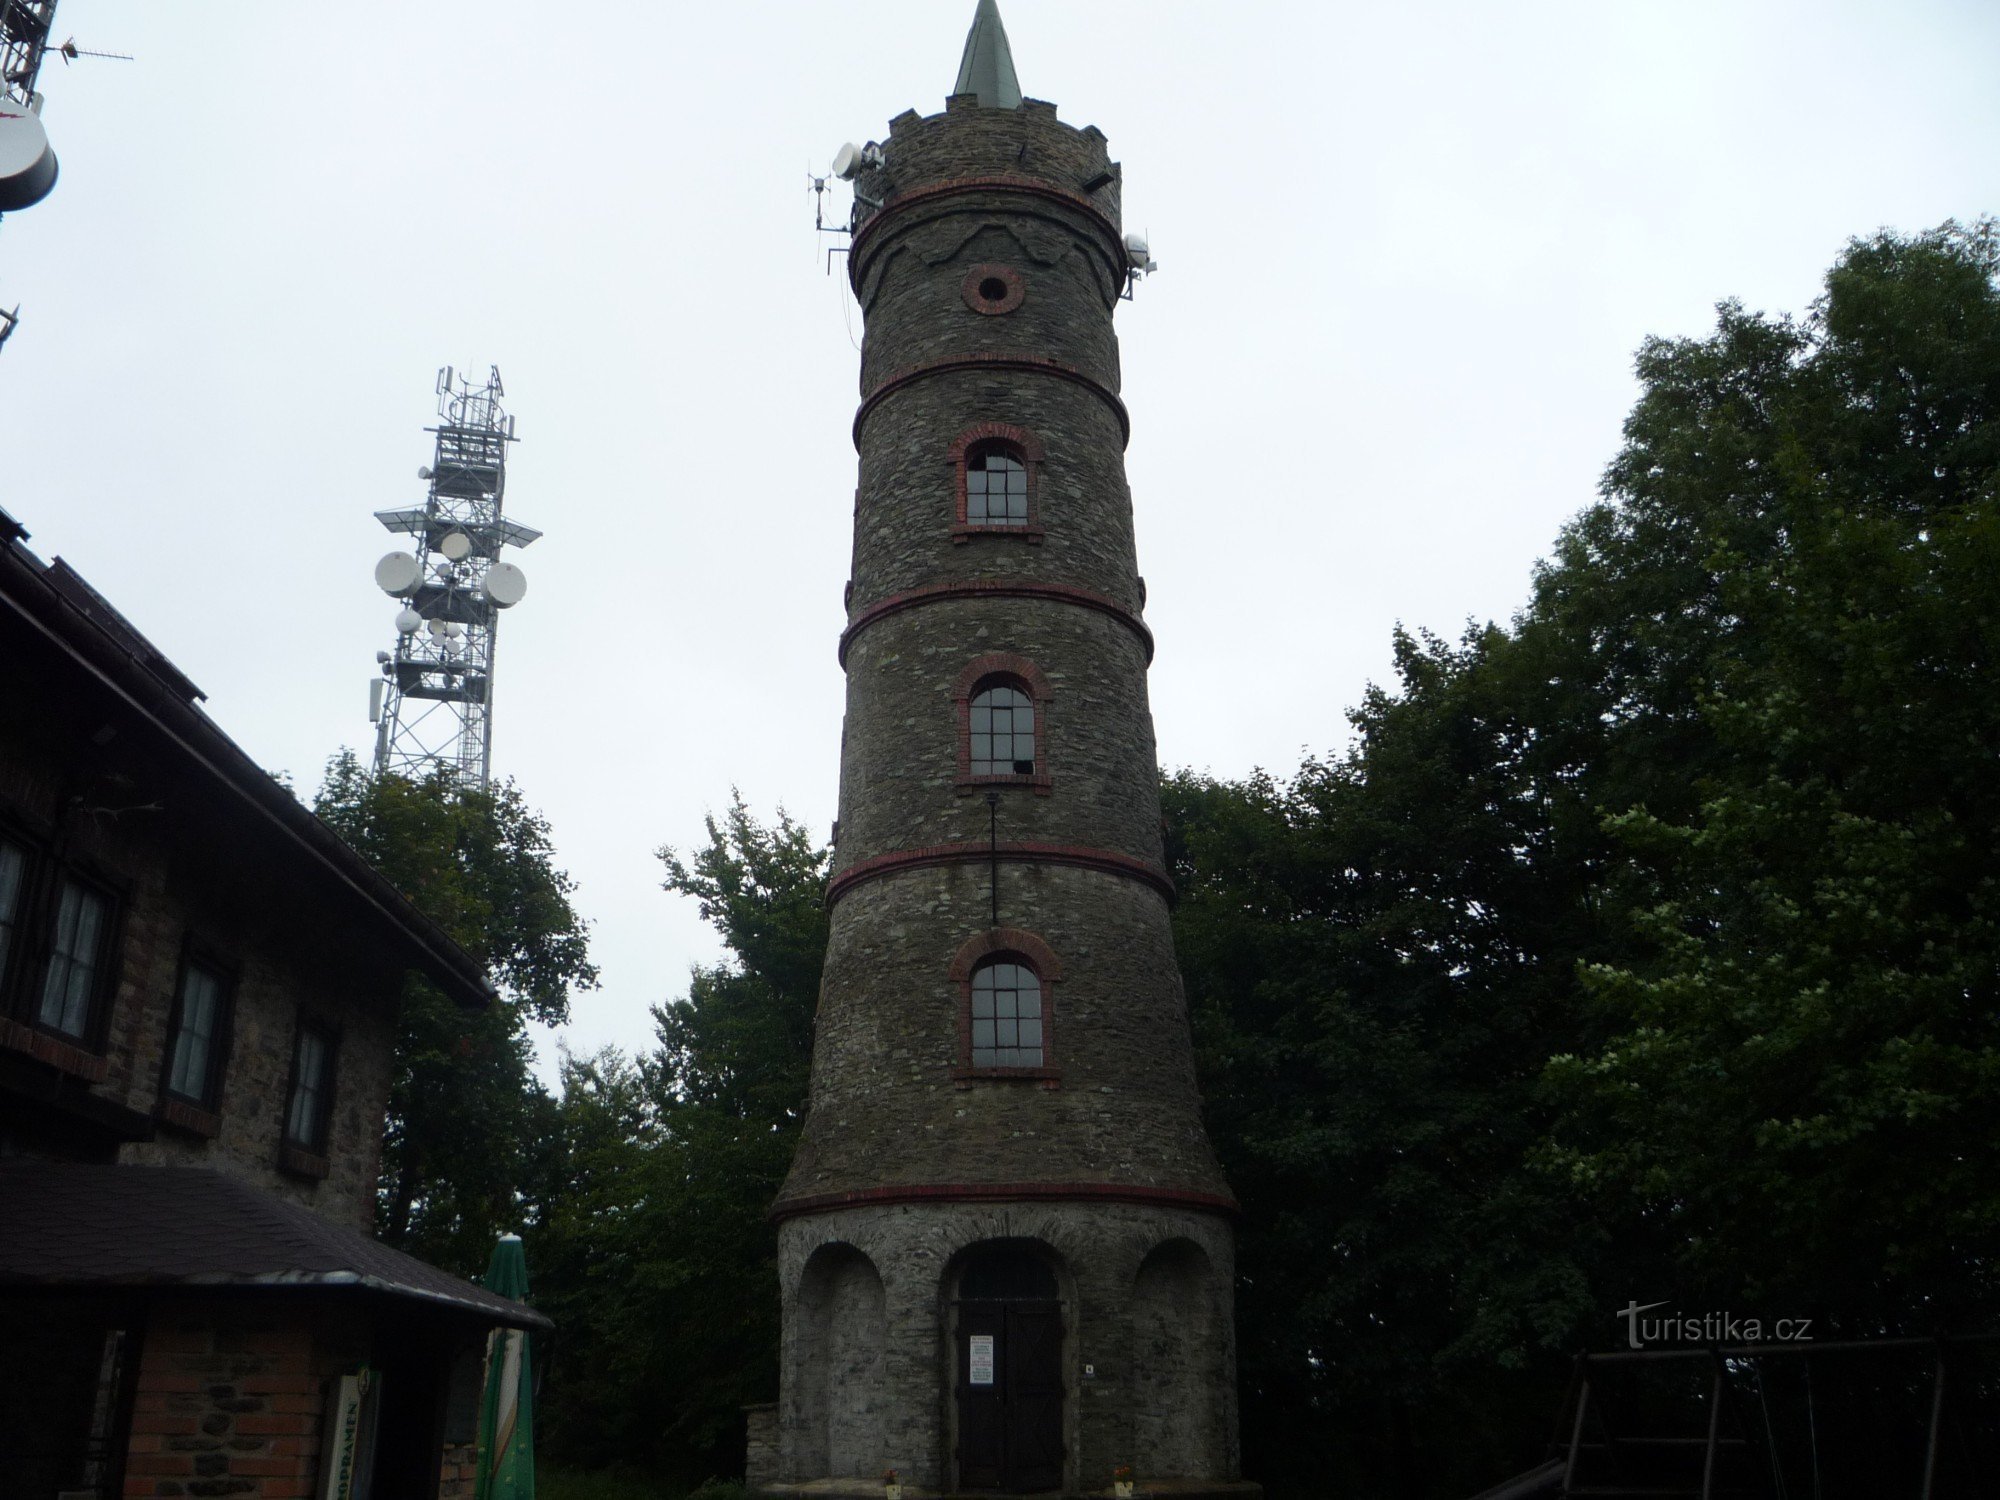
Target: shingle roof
70	1225
61	612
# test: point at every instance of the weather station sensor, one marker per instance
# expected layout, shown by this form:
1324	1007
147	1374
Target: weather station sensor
432	704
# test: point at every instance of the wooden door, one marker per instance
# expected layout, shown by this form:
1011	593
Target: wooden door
1010	1396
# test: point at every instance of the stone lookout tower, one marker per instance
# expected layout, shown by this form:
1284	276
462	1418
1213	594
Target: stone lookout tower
1004	1245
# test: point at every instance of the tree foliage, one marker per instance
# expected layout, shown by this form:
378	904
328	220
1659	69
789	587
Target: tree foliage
658	1261
1644	948
464	1109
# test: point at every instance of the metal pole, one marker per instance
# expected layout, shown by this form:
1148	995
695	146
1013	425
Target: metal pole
486	729
1937	1426
1714	1434
1576	1436
1812	1428
993	851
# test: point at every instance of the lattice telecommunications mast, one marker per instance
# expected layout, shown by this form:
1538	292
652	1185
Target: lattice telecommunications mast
432	705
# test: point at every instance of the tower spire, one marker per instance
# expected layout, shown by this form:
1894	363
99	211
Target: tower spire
987	69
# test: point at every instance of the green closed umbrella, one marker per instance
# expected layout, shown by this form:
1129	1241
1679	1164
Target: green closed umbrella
507	1411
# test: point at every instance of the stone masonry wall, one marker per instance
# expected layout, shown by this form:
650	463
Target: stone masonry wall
1097	1252
886	1108
907	502
900	771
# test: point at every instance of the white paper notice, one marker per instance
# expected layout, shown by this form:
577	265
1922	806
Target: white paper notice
982	1359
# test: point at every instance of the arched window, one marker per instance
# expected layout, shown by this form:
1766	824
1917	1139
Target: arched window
994	471
1003	730
996	486
1003	702
1007	979
1006	1014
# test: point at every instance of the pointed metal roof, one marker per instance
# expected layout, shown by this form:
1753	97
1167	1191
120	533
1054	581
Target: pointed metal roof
987	69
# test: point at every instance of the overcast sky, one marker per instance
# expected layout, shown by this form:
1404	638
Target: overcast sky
1407	252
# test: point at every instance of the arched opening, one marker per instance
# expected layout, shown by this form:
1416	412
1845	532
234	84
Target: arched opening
842	1334
1007	1383
1177	1363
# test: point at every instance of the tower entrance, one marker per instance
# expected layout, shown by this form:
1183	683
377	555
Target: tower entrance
1008	1372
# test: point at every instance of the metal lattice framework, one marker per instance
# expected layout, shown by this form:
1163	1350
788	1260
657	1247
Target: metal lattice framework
24	37
435	713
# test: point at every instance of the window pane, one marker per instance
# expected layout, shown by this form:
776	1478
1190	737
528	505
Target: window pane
302	1124
13	866
194	1043
1006	1015
1002	732
72	975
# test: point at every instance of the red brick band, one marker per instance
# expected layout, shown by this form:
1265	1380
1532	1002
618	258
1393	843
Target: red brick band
1008	1192
1074	856
935	593
1030	364
958	187
66	1057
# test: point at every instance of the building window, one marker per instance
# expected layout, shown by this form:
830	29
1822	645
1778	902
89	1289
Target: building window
76	958
13	881
1007	979
311	1102
201	1023
996	486
1006	1015
995	472
1003	703
1003	731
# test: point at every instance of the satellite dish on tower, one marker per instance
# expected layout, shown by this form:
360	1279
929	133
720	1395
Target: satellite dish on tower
398	573
456	545
408	621
505	584
27	165
850	161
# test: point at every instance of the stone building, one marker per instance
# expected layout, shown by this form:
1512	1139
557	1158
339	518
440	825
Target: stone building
1005	1246
198	992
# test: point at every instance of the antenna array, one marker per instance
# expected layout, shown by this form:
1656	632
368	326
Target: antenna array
433	703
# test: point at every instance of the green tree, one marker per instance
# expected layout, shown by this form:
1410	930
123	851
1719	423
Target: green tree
1644	947
464	1108
1802	1083
661	1264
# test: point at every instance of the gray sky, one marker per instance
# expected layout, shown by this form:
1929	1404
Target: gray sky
1407	252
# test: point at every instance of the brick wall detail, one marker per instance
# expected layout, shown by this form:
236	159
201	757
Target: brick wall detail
228	1403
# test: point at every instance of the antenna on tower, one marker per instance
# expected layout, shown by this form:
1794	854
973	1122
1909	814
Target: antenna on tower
432	704
1138	262
849	162
27	162
70	52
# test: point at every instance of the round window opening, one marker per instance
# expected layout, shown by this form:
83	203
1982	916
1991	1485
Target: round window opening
993	289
